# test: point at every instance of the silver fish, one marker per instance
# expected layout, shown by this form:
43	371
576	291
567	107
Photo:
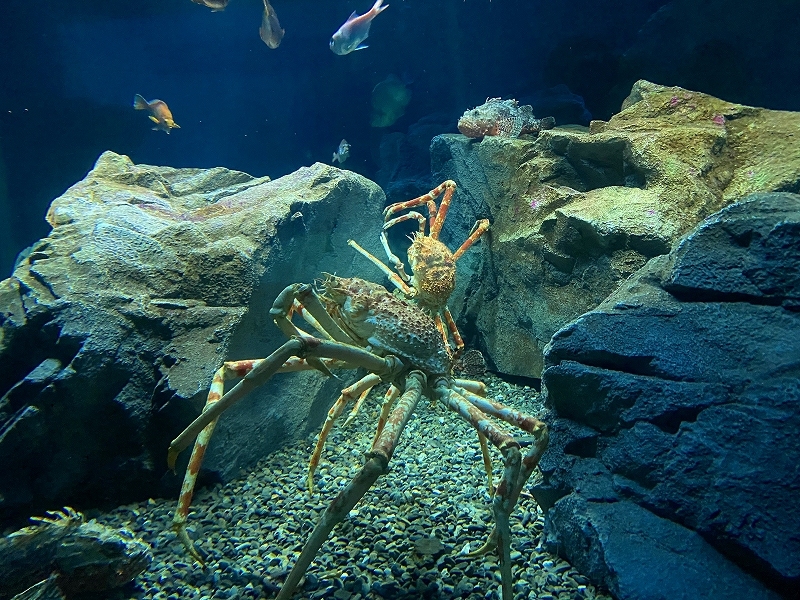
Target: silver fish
355	30
270	31
214	5
342	152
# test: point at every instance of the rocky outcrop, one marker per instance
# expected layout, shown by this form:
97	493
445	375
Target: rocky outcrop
673	460
575	212
115	323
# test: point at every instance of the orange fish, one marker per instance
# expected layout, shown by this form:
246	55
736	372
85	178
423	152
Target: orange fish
270	30
159	113
214	5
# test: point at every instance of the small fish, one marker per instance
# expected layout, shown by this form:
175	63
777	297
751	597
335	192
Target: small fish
159	113
270	30
342	152
355	30
214	5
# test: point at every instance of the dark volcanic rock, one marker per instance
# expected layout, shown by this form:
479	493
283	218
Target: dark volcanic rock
113	326
679	406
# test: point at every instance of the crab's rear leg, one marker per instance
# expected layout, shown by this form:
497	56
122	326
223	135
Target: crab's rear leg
376	465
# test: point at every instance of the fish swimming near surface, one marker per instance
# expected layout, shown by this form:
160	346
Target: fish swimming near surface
159	113
342	152
214	5
270	30
355	30
63	555
505	118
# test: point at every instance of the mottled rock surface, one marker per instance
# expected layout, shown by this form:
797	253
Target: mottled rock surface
678	403
115	323
575	212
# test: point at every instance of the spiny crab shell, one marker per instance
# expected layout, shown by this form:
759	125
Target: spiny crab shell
434	271
384	323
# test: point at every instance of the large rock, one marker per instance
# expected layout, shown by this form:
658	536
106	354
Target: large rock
115	323
679	405
575	212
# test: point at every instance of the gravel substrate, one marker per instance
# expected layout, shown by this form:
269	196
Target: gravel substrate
405	539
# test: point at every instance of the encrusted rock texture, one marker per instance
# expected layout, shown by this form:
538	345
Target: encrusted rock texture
672	471
576	211
114	324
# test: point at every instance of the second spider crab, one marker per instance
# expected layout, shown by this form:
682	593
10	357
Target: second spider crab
433	265
359	324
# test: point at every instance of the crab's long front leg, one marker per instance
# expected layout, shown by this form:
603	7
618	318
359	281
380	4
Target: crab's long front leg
387	367
503	502
377	463
228	370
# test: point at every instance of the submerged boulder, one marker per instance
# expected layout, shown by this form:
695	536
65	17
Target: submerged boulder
673	460
575	212
114	324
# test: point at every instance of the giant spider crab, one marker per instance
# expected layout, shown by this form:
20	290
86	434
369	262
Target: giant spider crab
359	324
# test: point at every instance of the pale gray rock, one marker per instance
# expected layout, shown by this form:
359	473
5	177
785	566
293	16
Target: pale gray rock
114	324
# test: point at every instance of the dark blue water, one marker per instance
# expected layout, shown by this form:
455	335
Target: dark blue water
69	71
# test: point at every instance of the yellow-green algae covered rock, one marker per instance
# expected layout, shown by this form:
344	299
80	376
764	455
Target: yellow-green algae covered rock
575	211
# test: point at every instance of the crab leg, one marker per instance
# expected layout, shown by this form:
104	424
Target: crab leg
478	230
283	307
357	407
393	259
451	325
503	502
476	387
440	326
449	187
428	199
376	465
362	386
393	277
228	370
527	423
388	401
311	347
487	462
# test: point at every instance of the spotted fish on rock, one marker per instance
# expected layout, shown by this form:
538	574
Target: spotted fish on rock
505	118
62	555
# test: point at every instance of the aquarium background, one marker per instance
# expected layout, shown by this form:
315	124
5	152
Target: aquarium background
70	71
